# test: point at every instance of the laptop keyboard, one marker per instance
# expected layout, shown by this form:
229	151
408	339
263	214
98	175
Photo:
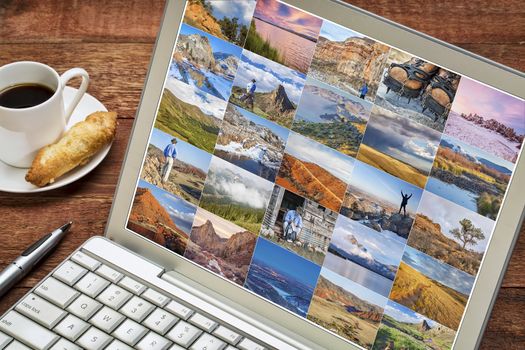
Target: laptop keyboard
88	305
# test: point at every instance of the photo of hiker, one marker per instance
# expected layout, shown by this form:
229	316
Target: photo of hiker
404	202
363	91
249	96
170	153
298	224
417	89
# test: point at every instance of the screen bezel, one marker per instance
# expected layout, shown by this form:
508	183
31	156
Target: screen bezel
467	64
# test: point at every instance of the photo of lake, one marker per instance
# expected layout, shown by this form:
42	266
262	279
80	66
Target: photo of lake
455	194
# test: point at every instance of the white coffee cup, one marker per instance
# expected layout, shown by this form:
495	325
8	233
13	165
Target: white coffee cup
23	131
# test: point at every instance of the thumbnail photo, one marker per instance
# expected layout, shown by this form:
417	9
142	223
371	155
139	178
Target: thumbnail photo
283	34
204	61
488	119
175	166
382	202
267	89
282	277
315	171
332	117
236	195
220	246
399	146
298	224
348	60
470	177
225	19
346	308
450	233
190	114
419	90
251	142
161	217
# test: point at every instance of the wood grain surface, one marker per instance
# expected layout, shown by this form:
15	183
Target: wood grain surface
113	41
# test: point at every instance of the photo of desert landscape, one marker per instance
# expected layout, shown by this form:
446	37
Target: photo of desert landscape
469	177
202	60
399	146
416	89
267	89
432	288
185	176
487	118
348	60
298	224
161	217
367	257
190	114
402	328
381	202
346	308
331	117
236	195
450	233
282	277
220	246
315	171
225	19
251	142
283	34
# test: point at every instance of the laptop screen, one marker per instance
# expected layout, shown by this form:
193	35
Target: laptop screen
338	177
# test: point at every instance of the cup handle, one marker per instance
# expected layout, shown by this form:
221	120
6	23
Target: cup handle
65	78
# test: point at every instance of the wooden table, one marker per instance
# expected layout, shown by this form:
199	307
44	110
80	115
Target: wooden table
113	41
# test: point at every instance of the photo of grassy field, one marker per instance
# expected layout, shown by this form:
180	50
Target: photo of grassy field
450	233
190	114
346	308
431	288
315	171
402	328
236	195
469	177
399	146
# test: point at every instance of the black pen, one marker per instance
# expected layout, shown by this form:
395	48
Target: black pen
30	257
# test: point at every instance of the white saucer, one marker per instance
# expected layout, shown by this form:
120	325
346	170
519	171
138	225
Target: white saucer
13	179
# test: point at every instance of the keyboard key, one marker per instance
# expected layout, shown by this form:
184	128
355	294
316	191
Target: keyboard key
118	345
86	261
26	330
132	285
109	273
248	344
69	272
106	319
56	292
84	307
208	342
227	335
160	321
15	345
4	340
91	284
155	297
179	310
130	332
114	296
176	347
71	327
153	341
63	344
203	322
137	309
184	334
94	339
40	310
231	348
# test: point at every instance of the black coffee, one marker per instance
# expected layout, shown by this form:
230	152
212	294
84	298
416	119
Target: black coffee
25	95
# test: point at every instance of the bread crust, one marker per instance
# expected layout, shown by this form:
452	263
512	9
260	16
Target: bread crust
75	148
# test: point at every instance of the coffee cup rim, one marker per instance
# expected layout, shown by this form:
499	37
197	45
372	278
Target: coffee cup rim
43	65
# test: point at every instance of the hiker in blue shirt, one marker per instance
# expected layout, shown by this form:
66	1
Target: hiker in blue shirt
364	90
170	153
293	223
249	96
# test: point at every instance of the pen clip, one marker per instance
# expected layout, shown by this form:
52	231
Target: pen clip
35	245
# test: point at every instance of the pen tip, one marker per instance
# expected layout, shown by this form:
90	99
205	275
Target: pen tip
66	227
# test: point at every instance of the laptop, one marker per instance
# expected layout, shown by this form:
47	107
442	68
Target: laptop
300	175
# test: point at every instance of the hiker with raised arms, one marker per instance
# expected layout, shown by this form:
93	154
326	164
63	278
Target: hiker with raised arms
404	203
